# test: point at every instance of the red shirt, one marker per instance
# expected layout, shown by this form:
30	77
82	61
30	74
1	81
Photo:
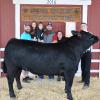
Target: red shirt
54	37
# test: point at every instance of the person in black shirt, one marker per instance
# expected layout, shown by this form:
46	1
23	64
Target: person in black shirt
33	33
59	38
85	62
40	32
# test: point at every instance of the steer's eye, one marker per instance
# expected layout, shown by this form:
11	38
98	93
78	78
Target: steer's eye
91	37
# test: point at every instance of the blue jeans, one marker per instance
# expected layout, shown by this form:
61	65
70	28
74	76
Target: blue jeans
41	76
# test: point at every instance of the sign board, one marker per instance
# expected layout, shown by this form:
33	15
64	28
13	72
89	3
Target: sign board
54	13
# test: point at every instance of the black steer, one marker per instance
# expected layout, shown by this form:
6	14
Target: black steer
46	59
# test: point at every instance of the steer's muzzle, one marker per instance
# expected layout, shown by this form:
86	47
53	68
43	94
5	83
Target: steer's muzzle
96	39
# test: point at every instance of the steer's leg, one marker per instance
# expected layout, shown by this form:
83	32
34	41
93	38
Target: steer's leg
10	78
69	75
17	76
11	71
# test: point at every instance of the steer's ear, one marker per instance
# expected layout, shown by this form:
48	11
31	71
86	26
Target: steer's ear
76	33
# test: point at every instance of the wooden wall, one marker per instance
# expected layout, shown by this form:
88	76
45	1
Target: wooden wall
7	21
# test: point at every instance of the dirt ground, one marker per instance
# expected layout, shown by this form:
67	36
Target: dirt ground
51	90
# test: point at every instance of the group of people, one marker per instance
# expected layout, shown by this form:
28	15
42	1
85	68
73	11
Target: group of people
37	32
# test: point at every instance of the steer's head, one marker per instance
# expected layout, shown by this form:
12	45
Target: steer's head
90	38
87	38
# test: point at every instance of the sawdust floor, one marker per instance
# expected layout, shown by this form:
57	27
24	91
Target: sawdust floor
51	90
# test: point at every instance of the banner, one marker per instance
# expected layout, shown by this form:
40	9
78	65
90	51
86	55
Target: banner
37	13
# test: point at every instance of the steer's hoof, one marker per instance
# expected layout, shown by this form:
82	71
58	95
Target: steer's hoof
19	87
85	87
12	95
69	97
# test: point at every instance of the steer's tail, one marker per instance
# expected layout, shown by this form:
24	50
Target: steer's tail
4	67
